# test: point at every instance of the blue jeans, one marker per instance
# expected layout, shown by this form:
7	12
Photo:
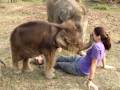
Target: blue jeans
67	64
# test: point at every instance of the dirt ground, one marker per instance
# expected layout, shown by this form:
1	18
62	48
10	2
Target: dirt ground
12	15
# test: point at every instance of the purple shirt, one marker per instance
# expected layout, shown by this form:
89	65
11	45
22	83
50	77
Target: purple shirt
97	51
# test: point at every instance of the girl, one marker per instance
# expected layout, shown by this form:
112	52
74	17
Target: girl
86	65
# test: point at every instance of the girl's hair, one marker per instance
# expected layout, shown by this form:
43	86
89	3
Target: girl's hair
99	31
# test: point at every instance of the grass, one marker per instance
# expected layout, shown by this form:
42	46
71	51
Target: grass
102	6
14	14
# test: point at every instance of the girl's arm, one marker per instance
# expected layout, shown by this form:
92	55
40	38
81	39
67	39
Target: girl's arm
92	69
92	74
107	66
104	61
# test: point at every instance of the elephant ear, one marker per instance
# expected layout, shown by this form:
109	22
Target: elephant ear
65	29
60	34
60	39
67	25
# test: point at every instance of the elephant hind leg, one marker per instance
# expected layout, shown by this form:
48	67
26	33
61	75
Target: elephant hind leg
15	61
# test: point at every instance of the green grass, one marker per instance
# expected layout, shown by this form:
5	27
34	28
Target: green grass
14	14
102	6
34	1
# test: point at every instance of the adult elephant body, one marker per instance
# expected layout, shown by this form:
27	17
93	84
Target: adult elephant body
61	10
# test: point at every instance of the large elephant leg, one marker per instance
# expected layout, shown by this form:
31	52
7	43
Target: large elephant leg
84	25
50	10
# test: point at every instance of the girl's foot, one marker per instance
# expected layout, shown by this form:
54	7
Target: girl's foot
38	60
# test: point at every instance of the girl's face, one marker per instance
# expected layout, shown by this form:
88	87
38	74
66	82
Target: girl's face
96	38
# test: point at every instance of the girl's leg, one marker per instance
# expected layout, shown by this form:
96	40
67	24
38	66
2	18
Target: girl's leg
67	67
67	58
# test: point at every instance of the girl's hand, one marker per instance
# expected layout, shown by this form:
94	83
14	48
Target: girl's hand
90	85
109	67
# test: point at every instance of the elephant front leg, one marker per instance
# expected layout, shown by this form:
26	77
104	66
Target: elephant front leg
49	66
26	66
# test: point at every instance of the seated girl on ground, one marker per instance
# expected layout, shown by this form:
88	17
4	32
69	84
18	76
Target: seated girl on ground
86	65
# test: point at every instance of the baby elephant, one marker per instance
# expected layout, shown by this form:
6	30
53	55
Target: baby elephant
38	37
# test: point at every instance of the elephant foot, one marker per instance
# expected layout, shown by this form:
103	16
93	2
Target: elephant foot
16	71
27	70
49	74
